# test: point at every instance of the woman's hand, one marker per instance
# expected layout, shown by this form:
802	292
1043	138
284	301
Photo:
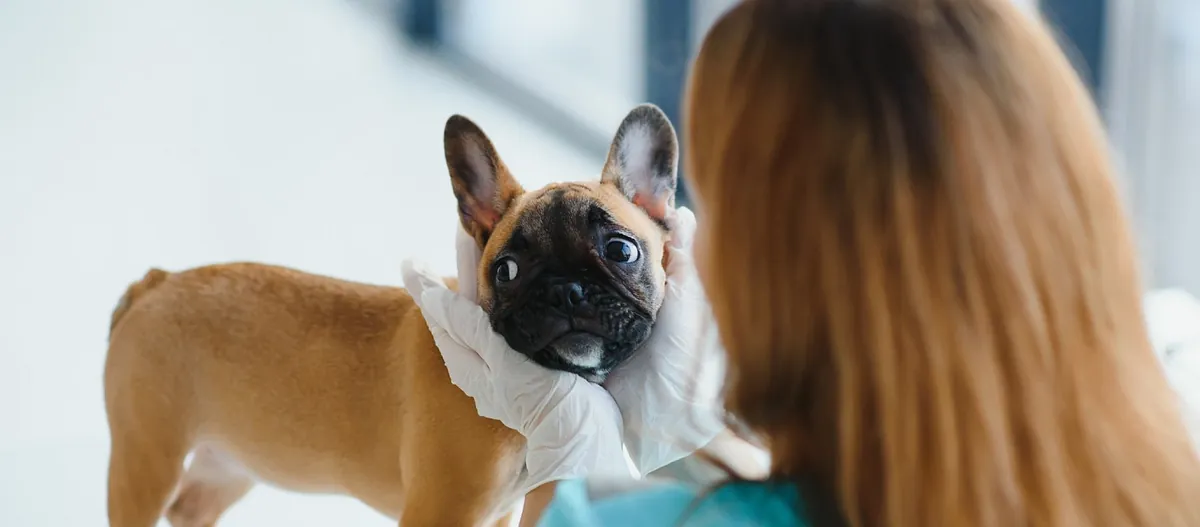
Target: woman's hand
668	392
573	427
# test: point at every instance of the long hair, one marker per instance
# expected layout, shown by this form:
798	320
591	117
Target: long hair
922	272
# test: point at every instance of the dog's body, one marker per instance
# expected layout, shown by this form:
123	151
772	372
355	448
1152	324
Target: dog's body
322	385
309	383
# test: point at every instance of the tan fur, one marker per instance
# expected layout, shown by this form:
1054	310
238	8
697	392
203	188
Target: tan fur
309	383
153	277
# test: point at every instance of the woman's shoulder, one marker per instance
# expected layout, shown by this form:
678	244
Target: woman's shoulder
734	503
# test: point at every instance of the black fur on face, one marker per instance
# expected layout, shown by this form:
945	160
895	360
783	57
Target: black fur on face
570	281
567	293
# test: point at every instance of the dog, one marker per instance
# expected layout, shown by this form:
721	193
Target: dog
313	384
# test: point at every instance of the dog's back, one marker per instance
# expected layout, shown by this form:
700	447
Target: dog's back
272	374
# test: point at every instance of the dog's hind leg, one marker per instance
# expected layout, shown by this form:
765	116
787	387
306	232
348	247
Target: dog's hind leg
145	462
140	480
149	411
212	484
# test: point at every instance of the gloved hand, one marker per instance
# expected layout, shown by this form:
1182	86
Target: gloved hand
572	427
668	392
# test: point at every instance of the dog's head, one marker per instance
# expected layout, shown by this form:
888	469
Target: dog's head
572	273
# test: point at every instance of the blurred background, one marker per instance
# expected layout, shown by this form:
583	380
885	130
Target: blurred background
176	133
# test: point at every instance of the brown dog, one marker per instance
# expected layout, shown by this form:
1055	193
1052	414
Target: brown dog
320	385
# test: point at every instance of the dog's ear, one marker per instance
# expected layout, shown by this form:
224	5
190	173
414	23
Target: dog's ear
642	160
482	184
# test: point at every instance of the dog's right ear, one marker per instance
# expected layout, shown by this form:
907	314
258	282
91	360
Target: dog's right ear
642	159
482	184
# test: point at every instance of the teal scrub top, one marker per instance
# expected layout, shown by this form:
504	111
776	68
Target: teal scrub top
732	504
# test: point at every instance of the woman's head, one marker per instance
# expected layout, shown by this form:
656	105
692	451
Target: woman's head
921	270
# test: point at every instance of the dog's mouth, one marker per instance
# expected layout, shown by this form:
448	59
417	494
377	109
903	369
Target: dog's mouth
575	351
578	352
580	348
587	346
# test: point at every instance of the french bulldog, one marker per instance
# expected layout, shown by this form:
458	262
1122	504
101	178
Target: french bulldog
273	375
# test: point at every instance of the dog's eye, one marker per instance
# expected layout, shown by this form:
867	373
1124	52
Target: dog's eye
506	270
621	250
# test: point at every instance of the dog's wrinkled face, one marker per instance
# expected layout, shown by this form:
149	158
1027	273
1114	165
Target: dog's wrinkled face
572	285
571	274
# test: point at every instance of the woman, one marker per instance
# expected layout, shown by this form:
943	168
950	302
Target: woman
922	275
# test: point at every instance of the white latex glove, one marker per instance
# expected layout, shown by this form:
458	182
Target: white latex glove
668	392
468	256
573	427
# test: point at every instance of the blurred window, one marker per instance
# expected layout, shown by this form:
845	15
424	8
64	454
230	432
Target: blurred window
583	56
1152	106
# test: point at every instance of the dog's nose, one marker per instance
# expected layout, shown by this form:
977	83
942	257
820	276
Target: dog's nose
568	295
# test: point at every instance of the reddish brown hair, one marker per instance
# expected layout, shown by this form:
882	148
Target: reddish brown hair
921	270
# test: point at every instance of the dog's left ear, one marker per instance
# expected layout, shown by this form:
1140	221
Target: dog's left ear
642	160
482	184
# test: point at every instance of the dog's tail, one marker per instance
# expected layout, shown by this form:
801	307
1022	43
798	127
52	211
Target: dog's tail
139	288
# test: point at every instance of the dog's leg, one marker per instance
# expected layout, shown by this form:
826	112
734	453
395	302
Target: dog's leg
448	493
211	485
456	465
149	424
143	471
